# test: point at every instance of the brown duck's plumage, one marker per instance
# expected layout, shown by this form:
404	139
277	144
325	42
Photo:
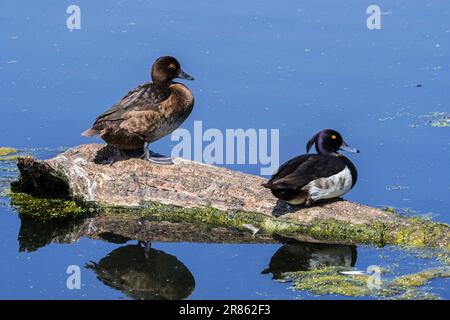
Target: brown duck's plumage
145	114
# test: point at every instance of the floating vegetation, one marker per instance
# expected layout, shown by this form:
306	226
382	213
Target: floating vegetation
414	294
7	151
439	119
421	278
395	188
435	119
331	281
9	158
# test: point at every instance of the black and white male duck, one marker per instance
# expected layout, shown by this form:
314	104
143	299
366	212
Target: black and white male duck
311	177
148	112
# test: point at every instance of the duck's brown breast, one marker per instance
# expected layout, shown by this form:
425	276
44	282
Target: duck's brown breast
168	116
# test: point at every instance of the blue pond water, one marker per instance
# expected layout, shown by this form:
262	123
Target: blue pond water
297	67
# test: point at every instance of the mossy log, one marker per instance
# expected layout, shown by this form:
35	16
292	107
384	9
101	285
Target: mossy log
107	180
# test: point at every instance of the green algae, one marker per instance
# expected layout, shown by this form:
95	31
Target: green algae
441	124
7	151
421	278
9	158
444	258
440	119
45	209
203	216
420	232
434	119
330	281
414	294
391	210
412	232
322	230
330	229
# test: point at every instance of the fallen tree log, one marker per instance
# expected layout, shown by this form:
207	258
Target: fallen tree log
103	179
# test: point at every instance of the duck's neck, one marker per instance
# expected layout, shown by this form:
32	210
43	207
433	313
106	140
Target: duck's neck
183	94
161	83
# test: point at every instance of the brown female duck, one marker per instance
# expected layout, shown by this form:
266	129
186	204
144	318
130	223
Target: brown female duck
148	112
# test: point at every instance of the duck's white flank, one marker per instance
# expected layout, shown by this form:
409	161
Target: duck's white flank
330	187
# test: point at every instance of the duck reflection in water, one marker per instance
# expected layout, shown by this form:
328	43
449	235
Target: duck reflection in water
144	273
302	256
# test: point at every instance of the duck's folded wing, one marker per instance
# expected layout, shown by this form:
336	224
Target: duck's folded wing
144	97
300	171
288	167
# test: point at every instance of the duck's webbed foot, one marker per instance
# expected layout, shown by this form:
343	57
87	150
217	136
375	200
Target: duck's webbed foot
156	158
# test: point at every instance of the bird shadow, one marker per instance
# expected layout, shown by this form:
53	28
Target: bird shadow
281	207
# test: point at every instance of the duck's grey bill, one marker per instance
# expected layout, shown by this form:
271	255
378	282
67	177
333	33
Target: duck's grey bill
184	75
347	148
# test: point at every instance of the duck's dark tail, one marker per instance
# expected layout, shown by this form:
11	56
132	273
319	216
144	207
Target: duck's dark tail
281	191
90	133
272	186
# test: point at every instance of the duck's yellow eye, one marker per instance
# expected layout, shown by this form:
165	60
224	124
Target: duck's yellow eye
172	66
333	137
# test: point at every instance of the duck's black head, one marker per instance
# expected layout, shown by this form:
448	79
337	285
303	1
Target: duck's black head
165	69
328	142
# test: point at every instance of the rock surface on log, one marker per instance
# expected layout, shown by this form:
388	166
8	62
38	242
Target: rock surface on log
95	175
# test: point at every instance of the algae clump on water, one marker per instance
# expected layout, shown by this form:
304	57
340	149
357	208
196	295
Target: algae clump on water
7	151
331	281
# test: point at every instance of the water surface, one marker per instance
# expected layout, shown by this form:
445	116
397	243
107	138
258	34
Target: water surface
299	67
